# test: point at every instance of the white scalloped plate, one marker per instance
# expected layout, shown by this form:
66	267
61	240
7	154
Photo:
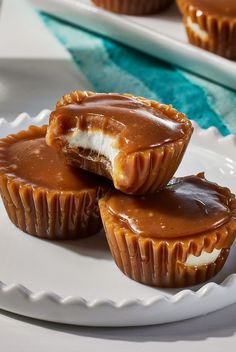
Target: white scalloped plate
77	282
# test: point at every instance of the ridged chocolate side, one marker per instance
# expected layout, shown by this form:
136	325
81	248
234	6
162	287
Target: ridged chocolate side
45	213
136	173
160	262
221	30
150	170
133	7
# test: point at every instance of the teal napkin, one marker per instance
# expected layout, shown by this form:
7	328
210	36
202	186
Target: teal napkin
113	67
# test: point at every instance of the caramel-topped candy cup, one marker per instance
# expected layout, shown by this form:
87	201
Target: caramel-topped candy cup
137	143
211	25
179	237
43	196
133	7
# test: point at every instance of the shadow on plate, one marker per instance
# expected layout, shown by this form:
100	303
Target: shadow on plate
215	325
95	246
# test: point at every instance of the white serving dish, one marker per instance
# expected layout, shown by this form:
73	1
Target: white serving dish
162	35
77	282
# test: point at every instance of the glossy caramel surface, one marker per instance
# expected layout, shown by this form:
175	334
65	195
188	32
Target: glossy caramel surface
135	125
34	162
225	8
187	206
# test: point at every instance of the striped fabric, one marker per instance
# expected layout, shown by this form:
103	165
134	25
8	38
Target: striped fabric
113	67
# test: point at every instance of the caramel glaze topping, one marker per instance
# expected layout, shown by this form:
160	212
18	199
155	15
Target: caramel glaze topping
136	125
187	206
226	8
34	162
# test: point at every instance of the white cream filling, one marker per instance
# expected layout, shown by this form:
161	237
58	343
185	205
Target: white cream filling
204	258
197	29
96	141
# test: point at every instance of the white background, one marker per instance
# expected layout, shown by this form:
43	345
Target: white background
21	84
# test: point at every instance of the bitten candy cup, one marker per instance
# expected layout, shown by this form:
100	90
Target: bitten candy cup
138	172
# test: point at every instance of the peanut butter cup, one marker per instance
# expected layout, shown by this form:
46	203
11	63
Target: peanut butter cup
43	196
133	7
138	143
178	237
211	25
